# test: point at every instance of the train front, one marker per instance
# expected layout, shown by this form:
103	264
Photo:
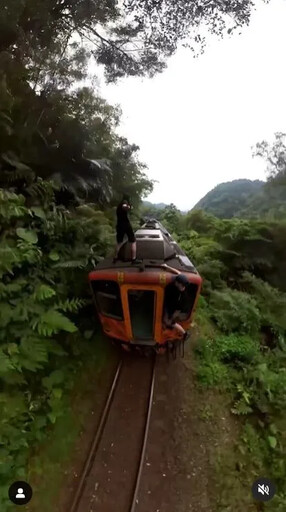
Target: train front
129	299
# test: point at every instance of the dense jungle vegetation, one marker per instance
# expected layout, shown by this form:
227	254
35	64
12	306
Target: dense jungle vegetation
63	168
241	350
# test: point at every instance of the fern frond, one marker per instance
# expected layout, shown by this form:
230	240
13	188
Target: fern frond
29	252
17	174
71	306
20	170
8	290
5	363
241	408
6	195
52	322
42	189
8	258
44	292
35	351
71	264
58	220
12	205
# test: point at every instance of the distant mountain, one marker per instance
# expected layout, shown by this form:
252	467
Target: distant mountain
229	199
158	206
270	202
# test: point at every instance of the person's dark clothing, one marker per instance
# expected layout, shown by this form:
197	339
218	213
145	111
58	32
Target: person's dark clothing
174	299
125	229
122	214
123	226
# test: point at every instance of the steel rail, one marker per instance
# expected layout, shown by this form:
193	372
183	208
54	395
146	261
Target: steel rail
95	443
144	444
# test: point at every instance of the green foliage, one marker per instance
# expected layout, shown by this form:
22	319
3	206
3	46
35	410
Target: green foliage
52	322
11	205
270	301
212	373
241	407
241	319
256	381
69	138
27	235
110	32
274	155
235	348
171	218
41	297
254	444
234	311
200	221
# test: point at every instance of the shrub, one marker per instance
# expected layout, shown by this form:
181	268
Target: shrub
235	348
270	301
234	311
45	254
212	373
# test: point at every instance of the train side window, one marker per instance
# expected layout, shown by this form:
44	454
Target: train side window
191	293
108	299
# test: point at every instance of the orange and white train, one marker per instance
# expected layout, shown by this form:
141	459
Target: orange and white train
129	298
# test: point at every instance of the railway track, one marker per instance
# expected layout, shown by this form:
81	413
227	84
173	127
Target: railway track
110	479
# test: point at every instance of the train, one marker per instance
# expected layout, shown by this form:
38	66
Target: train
129	299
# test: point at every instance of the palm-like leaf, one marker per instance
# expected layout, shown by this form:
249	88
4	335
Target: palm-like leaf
86	178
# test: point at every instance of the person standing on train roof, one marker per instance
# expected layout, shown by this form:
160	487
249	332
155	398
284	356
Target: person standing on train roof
175	301
123	227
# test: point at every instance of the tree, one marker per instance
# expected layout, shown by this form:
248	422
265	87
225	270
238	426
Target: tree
275	157
132	37
70	138
200	221
171	218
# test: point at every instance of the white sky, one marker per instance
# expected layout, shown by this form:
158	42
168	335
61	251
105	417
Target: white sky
195	123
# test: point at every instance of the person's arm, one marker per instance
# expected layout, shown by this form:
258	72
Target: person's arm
173	270
126	206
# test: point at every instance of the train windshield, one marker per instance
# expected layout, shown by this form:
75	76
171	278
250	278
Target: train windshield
108	299
141	309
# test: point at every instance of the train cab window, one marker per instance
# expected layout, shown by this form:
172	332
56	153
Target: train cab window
108	299
188	302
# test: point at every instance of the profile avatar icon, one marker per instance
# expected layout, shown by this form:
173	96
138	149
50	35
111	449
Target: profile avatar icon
20	494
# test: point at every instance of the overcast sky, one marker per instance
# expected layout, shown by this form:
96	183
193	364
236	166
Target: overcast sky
195	123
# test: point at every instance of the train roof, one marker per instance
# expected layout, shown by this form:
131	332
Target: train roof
155	246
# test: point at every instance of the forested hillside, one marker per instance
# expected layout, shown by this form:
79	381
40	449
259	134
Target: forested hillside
227	200
63	167
246	198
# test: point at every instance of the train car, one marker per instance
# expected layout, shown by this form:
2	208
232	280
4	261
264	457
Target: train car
129	298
